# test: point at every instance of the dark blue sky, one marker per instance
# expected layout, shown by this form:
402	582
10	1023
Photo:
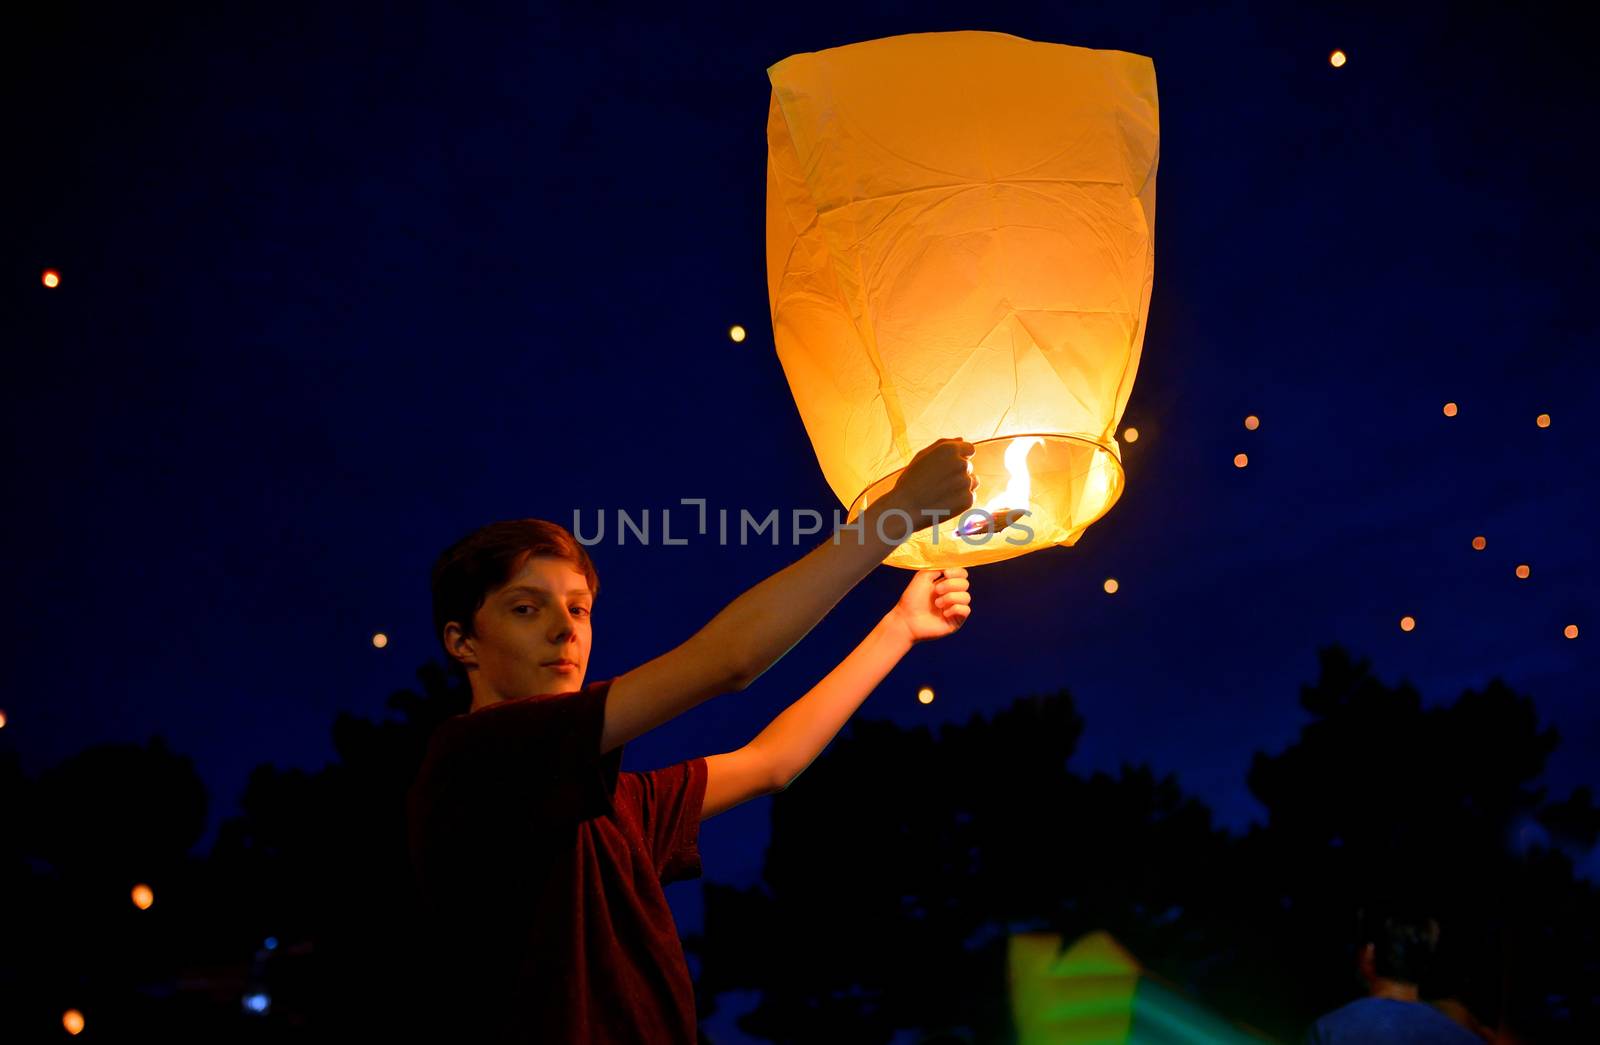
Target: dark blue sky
340	286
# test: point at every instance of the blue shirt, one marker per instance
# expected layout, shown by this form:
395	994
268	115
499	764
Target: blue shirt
1379	1021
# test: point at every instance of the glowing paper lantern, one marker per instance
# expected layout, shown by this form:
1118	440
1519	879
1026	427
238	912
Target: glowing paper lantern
1408	623
1111	585
50	278
960	243
380	640
1543	420
1522	572
1479	544
1241	460
1252	422
1450	410
1337	59
1571	631
143	896
1130	435
2	720
925	695
72	1021
736	332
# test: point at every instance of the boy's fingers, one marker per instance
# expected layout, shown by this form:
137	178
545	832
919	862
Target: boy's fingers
959	584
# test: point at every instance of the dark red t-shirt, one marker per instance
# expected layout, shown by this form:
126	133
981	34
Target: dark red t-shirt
541	867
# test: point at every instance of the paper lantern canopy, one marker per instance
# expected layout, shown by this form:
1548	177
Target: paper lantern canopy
960	243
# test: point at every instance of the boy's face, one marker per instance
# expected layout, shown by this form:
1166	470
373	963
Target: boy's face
533	633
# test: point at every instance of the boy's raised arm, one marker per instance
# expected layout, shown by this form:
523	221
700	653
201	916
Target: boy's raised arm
760	626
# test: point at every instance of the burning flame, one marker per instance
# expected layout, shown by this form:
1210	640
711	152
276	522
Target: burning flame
1007	505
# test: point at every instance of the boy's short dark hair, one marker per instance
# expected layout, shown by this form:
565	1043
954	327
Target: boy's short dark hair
486	558
1403	937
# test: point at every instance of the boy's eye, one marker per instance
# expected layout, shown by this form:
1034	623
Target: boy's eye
520	608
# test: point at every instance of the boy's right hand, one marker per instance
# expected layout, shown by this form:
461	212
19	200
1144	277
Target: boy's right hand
938	480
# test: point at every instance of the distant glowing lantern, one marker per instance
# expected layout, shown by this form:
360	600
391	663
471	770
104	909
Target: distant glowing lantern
736	332
925	695
1407	623
50	278
72	1020
1337	59
380	640
143	896
1111	585
1252	422
1523	571
1131	435
1543	420
1241	460
1571	631
2	720
1479	544
960	233
1449	410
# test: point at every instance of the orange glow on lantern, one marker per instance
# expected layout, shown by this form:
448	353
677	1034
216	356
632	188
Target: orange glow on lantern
1571	631
72	1020
1252	422
1479	544
1241	460
736	332
1131	435
1449	410
143	896
2	720
1543	421
1337	59
1111	585
1407	623
1523	571
50	278
960	242
925	695
380	640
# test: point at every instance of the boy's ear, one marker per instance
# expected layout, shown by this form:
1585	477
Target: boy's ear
460	645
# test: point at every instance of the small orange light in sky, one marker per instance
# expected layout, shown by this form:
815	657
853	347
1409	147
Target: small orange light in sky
1336	59
1571	631
1111	585
380	640
2	720
1523	571
1407	623
50	278
143	896
72	1020
1252	422
1544	421
925	695
1479	544
1449	410
1131	435
1240	460
736	332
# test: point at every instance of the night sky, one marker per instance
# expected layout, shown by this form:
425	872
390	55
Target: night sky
338	287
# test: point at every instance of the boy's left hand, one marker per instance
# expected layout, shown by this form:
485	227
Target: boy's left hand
935	604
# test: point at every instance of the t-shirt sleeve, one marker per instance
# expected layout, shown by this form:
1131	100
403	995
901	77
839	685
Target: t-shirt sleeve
537	757
670	802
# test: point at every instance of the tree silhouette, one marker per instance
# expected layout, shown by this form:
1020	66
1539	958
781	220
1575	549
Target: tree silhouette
902	859
1382	798
897	868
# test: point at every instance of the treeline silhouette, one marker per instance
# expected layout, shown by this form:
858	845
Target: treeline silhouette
897	868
